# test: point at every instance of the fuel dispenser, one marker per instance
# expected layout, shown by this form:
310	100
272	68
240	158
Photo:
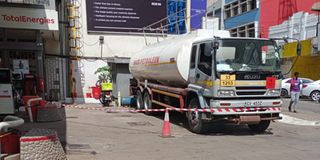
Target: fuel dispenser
6	95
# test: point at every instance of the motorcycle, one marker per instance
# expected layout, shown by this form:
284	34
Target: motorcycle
106	97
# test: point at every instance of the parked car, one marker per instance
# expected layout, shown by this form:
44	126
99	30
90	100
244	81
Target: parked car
310	88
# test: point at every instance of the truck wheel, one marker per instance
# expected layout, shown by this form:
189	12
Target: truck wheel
260	127
147	102
196	124
139	100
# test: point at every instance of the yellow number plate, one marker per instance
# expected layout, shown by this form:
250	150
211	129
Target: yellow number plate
227	80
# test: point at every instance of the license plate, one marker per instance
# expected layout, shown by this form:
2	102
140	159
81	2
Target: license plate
228	83
227	80
253	104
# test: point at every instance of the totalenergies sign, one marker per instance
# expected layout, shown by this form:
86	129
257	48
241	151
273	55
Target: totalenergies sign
28	18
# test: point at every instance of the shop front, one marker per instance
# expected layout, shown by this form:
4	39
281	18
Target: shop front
23	37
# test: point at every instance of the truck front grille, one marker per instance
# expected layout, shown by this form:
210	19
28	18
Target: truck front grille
243	93
250	90
250	87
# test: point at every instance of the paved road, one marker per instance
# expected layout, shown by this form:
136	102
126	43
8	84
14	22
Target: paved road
119	136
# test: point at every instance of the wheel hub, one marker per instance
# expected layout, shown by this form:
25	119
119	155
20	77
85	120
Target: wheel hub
194	117
315	96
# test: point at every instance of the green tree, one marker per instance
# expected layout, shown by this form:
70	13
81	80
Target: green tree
104	73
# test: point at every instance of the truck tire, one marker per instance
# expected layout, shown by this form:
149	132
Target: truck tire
195	122
139	100
147	102
260	127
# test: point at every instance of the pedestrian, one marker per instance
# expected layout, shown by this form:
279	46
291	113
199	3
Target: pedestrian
295	88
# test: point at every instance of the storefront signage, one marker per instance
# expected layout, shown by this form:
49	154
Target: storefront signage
124	15
27	18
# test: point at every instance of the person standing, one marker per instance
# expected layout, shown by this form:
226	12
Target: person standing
295	88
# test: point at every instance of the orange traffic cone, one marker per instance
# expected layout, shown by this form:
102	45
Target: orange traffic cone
166	126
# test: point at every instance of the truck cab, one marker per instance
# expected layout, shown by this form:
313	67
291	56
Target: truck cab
237	77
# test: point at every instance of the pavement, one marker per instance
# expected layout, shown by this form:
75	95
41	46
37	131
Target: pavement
95	134
308	112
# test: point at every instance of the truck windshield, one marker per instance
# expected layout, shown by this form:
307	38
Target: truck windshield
247	55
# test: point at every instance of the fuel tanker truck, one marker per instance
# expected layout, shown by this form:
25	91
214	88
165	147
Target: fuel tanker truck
211	77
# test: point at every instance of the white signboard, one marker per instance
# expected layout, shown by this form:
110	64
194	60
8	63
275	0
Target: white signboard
29	18
21	66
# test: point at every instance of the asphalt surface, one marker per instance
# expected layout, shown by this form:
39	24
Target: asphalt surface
304	105
100	135
97	135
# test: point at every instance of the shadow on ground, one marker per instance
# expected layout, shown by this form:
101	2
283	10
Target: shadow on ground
213	129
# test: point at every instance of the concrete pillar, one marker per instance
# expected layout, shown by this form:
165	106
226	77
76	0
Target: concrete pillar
222	14
256	29
40	58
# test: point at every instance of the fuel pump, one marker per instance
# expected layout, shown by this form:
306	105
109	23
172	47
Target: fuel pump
6	95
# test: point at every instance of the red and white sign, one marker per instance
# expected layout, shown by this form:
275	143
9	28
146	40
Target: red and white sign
29	18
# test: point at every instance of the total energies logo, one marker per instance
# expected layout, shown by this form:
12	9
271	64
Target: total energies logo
27	19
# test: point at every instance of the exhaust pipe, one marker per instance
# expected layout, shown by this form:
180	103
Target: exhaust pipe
247	120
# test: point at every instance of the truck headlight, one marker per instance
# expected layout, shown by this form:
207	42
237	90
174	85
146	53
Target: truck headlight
273	92
226	93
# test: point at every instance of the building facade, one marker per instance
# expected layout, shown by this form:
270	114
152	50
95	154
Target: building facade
107	32
281	11
240	17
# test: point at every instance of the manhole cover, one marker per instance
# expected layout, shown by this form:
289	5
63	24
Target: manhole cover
72	117
79	146
77	152
125	116
140	124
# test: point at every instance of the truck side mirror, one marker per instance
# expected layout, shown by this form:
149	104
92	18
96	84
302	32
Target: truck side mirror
215	45
299	48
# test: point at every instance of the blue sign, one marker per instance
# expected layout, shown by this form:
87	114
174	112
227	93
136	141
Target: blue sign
198	10
176	16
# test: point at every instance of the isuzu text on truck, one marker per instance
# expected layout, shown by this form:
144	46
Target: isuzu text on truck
237	79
